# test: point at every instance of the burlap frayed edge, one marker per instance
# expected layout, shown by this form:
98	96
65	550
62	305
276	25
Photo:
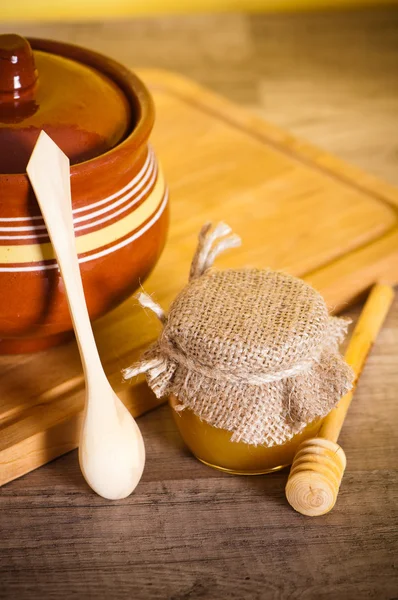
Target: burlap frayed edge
267	414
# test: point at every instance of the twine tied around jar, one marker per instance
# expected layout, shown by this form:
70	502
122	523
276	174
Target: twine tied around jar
248	350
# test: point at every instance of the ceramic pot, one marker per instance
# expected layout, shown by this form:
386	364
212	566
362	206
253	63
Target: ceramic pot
101	115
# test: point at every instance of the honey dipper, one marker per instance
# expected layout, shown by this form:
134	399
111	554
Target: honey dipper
319	463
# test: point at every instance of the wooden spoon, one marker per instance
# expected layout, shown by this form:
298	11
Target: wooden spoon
111	450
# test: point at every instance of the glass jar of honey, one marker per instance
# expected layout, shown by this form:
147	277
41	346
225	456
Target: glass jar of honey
213	446
249	359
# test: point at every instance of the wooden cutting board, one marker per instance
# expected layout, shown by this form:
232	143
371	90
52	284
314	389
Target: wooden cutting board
296	209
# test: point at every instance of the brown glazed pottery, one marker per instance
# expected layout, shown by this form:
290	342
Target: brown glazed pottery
101	116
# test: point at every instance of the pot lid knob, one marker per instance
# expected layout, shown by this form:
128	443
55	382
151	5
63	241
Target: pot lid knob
18	74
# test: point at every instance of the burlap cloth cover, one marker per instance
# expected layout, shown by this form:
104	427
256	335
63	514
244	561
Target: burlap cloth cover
250	351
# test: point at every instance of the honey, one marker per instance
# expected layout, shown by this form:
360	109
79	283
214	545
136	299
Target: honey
213	447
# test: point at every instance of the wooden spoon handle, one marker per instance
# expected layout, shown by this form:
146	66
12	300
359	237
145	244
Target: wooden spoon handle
49	173
318	466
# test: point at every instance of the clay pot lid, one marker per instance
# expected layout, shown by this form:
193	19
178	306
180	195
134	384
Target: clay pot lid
82	109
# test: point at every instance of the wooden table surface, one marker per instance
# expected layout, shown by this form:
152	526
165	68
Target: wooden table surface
189	531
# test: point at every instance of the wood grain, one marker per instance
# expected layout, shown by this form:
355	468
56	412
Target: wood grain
189	531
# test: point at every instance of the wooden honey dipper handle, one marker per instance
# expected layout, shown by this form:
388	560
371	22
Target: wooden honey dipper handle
319	463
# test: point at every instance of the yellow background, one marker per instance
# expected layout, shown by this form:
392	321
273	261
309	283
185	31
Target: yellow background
95	9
